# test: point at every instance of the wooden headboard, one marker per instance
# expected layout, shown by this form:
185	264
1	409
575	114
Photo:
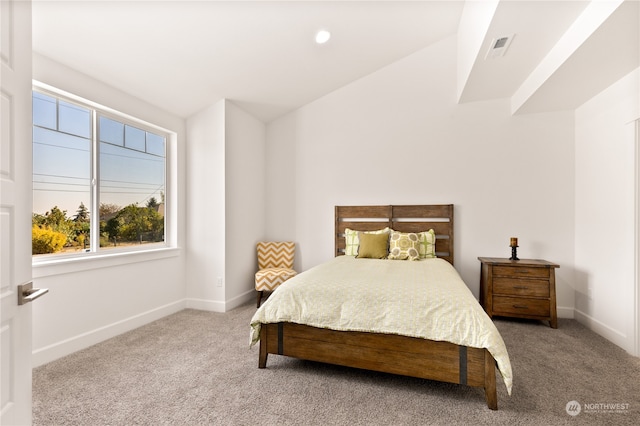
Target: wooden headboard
400	218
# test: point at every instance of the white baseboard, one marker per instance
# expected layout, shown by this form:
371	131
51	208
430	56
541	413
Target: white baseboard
241	299
66	347
218	305
205	305
614	336
565	312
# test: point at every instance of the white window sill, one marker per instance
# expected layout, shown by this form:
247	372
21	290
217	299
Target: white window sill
46	267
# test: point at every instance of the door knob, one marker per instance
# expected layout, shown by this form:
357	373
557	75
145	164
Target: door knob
26	293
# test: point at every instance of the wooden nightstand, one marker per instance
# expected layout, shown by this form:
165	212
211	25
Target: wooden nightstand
523	288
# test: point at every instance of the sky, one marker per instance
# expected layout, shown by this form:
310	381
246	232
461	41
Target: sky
131	161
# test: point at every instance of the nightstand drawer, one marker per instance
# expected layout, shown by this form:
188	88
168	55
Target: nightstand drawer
520	287
520	306
520	271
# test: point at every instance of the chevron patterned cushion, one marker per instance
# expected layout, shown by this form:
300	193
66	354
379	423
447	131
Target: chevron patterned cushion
275	254
270	278
275	264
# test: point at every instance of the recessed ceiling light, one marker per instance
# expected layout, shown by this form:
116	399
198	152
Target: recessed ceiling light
322	36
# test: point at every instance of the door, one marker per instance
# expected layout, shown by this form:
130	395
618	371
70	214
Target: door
636	347
15	210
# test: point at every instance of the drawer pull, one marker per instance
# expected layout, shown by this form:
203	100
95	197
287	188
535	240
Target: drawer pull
520	287
521	306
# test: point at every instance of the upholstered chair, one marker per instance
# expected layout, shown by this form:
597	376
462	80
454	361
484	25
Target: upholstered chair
275	265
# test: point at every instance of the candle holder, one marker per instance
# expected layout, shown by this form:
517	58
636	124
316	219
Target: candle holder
514	253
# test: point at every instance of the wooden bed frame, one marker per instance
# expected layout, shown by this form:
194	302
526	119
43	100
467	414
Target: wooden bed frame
409	356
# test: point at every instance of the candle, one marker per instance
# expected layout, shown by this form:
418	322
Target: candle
514	242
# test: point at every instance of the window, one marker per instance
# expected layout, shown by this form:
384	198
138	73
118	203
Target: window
99	179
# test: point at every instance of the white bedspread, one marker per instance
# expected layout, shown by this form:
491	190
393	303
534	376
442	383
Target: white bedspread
425	299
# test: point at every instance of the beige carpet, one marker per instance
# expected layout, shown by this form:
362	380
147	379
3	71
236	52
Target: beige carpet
195	368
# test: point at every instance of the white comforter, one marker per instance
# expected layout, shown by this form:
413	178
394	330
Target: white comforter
425	299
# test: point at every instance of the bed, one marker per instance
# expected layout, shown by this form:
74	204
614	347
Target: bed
418	348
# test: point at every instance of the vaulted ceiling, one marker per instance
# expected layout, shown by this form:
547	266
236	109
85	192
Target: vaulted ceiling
185	55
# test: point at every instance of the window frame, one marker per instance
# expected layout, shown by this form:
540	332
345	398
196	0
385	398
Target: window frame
42	265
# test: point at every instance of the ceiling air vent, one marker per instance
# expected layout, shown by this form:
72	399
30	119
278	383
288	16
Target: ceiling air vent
499	46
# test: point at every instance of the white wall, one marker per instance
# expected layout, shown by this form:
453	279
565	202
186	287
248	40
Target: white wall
226	205
398	136
245	202
604	205
206	208
280	187
92	300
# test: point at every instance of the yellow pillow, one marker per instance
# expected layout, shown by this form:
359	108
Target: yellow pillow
404	246
373	246
352	241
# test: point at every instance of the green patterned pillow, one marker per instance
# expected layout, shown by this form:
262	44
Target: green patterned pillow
351	240
427	247
404	246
